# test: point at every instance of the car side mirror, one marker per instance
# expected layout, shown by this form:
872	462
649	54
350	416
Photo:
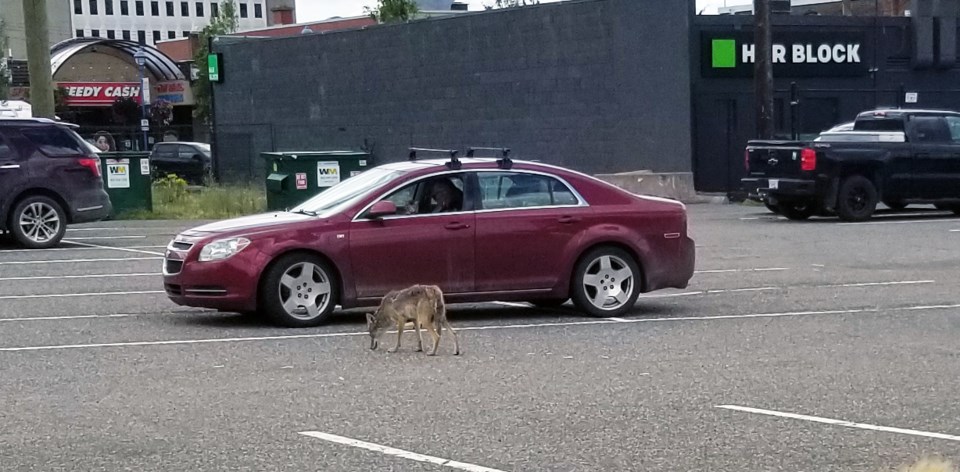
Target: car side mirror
382	208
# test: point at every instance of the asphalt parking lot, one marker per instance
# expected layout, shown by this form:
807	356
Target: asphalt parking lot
799	346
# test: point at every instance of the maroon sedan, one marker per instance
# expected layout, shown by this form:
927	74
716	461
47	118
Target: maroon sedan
481	229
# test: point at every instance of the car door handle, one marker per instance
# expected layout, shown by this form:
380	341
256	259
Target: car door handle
456	226
567	219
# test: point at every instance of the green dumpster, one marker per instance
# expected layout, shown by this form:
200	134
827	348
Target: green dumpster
127	180
294	177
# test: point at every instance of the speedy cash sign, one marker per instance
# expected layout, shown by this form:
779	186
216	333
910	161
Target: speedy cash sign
99	93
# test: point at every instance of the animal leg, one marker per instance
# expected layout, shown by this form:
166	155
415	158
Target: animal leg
416	326
399	335
456	339
432	328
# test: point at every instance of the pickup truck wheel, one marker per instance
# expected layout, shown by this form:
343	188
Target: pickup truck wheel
798	211
772	207
857	199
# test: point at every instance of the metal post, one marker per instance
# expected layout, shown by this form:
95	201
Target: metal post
212	116
143	108
794	111
763	69
38	58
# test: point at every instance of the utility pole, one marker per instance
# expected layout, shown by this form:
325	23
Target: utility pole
763	69
38	57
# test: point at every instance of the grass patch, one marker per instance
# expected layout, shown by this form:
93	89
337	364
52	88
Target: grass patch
174	200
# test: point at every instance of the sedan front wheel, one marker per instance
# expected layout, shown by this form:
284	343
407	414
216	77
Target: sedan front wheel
606	282
299	290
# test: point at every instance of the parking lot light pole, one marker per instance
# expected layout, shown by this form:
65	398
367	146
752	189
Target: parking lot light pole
141	59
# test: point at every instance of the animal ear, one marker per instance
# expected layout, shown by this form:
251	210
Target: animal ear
370	319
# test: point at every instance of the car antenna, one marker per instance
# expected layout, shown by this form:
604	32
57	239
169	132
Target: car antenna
504	162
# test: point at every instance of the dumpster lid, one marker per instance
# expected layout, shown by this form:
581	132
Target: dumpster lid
281	155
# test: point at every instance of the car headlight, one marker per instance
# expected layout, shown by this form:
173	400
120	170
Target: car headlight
222	249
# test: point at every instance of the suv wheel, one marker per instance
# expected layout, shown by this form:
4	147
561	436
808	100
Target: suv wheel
38	222
299	291
606	282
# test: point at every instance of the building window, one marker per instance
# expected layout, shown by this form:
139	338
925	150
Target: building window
200	9
124	7
93	7
171	35
79	33
169	8
155	8
142	37
126	35
184	9
258	11
243	10
111	34
108	7
95	33
186	34
156	37
214	10
78	8
139	5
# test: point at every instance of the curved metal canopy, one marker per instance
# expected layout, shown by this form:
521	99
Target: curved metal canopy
159	64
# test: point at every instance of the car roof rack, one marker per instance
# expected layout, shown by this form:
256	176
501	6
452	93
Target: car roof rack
504	162
454	162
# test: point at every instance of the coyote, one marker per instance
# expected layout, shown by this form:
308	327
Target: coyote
421	304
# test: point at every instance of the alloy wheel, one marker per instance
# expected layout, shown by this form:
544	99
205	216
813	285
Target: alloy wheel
40	222
608	282
305	291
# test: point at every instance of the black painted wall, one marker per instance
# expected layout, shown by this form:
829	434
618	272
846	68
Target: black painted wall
723	108
597	85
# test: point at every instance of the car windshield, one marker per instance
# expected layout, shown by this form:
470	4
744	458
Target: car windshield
347	191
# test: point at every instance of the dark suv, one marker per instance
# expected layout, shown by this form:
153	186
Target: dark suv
190	161
49	177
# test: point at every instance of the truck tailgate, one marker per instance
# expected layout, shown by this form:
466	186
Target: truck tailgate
773	158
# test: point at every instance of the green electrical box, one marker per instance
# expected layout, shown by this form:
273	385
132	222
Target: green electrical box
214	64
127	180
295	177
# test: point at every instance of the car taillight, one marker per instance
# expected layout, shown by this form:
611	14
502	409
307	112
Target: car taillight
746	160
808	159
92	164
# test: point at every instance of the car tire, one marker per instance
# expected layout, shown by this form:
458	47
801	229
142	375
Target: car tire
296	278
548	302
603	275
857	199
798	210
38	222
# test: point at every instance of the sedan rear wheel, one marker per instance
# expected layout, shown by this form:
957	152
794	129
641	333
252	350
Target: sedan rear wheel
606	282
38	222
299	290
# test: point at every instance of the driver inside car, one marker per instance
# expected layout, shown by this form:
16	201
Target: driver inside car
442	197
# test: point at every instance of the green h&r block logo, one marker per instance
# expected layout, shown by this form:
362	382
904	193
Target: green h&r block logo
724	55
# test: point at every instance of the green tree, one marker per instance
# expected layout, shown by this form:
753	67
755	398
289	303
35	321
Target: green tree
225	22
4	70
511	3
391	11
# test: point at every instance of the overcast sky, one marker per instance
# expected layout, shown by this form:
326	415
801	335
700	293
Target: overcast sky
312	10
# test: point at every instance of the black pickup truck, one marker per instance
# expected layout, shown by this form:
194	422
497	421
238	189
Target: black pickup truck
894	156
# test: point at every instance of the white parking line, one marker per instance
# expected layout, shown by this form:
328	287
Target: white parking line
728	271
397	452
87	276
97	238
955	230
845	423
87	247
71	261
69	317
790	314
138	251
902	222
70	295
512	304
770	289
